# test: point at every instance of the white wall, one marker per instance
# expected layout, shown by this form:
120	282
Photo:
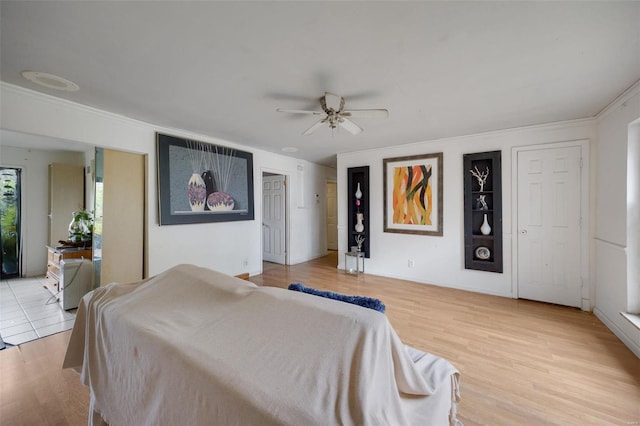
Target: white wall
440	260
612	257
35	200
231	247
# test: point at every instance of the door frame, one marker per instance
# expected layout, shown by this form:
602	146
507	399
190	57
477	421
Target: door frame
585	273
334	181
287	213
21	229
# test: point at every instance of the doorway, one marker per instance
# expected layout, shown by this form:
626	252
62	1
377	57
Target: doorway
549	213
274	218
10	215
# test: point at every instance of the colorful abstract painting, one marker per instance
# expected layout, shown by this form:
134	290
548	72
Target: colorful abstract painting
413	194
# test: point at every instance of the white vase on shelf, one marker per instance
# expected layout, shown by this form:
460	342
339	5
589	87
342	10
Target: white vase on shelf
485	228
359	225
358	192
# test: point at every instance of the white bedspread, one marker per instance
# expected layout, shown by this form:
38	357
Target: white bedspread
192	346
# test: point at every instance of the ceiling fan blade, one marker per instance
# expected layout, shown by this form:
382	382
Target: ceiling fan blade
350	126
313	128
366	113
332	101
323	104
300	111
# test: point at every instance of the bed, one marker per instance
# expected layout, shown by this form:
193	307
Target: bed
192	346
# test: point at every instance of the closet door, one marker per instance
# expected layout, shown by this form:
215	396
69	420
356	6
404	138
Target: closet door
549	225
120	216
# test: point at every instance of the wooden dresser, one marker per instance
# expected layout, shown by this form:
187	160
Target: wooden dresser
54	256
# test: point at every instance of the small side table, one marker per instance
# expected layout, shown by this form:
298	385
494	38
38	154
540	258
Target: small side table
352	262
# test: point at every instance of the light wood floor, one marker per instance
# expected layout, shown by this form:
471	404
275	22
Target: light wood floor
521	362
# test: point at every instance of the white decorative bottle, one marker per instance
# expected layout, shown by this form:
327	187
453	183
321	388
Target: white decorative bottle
359	225
485	228
358	192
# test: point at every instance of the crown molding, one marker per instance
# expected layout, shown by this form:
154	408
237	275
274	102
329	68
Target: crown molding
578	122
46	98
632	91
57	102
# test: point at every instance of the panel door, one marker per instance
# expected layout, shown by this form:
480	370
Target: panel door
123	217
66	195
273	219
548	225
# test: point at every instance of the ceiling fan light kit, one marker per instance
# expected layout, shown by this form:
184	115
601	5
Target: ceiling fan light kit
336	116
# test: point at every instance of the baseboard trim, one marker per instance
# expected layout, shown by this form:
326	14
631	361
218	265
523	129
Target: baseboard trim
627	340
437	284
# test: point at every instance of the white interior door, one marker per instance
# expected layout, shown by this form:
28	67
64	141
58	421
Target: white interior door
548	225
332	216
273	219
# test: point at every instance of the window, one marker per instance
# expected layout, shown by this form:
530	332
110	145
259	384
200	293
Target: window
9	222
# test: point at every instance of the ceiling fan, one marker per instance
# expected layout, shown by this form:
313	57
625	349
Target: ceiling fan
335	114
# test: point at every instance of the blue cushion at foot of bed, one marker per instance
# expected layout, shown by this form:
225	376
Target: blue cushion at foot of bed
365	302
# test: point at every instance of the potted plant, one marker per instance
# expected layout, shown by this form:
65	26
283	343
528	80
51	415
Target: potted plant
81	226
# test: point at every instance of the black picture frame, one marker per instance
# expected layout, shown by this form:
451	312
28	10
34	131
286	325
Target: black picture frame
227	175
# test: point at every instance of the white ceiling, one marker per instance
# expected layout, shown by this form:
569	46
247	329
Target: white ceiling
222	68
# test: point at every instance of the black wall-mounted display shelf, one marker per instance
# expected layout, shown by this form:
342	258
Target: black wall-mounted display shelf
483	252
355	176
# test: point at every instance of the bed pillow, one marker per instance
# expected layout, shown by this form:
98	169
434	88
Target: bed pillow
365	302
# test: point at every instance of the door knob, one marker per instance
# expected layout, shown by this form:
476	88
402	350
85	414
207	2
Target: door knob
523	232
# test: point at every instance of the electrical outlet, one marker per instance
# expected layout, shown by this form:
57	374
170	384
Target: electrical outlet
410	263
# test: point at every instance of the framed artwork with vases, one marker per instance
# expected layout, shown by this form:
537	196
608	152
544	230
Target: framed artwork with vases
202	182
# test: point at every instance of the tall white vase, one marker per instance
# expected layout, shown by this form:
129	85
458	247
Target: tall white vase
359	225
358	192
485	228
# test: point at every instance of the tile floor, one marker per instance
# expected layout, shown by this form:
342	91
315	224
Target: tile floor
29	311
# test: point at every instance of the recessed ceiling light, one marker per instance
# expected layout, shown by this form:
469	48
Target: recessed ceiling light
290	149
51	81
